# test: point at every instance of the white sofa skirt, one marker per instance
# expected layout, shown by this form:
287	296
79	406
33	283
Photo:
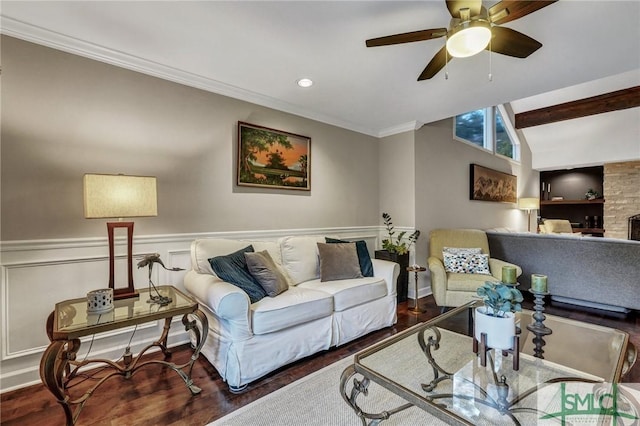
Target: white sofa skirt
264	350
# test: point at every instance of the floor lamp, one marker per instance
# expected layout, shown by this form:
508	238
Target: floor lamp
120	196
529	204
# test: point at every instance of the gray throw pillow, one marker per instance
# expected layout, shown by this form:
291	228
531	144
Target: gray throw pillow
366	267
266	272
338	261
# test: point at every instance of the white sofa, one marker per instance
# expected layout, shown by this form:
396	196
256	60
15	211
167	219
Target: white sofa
248	340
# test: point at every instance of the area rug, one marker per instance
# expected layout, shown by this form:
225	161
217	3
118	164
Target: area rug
315	400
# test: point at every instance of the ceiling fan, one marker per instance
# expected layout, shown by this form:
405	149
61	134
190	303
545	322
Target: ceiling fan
470	30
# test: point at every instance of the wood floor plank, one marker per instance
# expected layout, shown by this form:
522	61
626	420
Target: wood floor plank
157	396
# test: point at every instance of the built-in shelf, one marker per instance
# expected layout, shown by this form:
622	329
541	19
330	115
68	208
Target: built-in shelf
563	202
571	186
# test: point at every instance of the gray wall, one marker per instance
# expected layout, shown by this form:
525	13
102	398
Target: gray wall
64	115
442	185
397	178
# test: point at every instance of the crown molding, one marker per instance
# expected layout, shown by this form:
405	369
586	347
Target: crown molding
38	35
411	126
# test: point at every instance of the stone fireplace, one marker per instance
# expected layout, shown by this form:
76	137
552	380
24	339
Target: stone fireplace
622	197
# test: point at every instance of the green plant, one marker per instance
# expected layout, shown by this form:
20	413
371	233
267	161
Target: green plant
397	245
500	298
591	194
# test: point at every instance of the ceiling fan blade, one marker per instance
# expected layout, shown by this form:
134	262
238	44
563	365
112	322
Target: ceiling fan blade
437	63
454	7
512	43
509	10
407	37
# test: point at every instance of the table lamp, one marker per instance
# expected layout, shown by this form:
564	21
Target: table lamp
528	204
120	196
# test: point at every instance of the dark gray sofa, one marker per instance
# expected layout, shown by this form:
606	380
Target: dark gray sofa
590	271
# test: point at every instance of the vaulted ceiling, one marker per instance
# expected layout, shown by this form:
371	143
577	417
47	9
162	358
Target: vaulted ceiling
256	51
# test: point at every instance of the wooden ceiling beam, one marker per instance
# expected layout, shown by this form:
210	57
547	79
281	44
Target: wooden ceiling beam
614	101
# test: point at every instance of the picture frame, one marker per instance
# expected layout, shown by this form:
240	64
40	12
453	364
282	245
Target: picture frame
270	158
491	185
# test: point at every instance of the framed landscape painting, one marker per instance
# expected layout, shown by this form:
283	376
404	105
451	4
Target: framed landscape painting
492	185
272	158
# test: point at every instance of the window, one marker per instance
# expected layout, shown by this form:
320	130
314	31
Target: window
486	128
470	127
504	146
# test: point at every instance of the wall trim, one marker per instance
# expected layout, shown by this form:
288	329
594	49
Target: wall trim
24	376
66	243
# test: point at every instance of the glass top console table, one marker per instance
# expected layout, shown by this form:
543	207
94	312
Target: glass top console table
433	366
70	321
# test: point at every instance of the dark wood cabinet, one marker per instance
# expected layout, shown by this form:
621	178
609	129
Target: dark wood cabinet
402	284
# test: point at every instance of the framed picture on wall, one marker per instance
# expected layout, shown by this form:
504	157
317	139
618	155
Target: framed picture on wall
492	185
272	158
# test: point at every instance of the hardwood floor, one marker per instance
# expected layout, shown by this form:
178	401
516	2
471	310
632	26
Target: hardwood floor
159	397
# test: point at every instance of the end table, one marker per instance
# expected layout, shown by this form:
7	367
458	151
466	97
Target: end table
70	321
416	307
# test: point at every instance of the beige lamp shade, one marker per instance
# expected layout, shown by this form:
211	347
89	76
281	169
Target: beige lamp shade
111	196
528	203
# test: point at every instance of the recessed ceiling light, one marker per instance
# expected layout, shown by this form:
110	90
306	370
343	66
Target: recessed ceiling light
305	82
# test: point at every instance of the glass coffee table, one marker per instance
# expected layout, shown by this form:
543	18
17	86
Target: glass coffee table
432	366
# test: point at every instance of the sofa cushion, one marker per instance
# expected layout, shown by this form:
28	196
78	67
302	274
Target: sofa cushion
204	249
262	267
364	258
338	261
349	293
289	309
232	268
465	263
467	282
300	257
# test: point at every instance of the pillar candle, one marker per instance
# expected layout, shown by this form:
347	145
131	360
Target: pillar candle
509	274
539	283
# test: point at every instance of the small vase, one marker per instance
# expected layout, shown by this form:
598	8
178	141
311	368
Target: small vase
500	331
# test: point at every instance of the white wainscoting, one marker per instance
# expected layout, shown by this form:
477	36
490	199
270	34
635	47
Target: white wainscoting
37	274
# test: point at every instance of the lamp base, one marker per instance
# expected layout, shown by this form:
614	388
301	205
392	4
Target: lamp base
128	291
124	293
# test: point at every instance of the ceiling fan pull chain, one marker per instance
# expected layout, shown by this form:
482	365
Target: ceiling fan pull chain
490	74
446	64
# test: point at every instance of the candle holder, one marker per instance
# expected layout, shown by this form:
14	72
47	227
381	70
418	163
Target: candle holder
538	328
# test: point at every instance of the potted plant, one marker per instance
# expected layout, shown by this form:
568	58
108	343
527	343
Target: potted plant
397	245
497	317
396	249
591	194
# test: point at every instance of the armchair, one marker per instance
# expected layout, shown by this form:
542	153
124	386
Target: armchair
556	226
455	289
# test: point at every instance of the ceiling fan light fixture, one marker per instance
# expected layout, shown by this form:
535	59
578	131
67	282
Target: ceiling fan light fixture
468	38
